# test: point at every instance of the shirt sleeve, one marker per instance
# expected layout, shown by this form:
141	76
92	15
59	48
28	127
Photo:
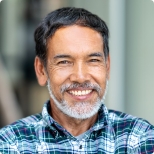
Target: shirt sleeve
147	142
8	148
7	141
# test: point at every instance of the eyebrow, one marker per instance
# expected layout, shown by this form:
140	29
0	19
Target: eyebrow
61	56
96	54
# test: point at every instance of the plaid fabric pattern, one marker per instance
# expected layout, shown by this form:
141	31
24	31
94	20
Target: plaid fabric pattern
114	132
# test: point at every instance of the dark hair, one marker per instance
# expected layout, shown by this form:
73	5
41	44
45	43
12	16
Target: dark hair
65	17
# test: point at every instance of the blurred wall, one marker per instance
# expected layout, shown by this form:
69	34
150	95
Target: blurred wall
131	47
139	55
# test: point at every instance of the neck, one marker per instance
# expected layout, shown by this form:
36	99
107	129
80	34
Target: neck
72	125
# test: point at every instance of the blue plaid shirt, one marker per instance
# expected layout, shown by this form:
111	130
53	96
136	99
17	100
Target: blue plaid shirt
113	132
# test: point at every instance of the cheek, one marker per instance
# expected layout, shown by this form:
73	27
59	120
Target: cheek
100	77
101	80
59	76
99	73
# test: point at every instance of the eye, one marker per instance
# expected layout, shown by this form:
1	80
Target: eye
94	60
64	62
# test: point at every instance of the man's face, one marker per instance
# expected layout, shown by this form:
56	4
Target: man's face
77	70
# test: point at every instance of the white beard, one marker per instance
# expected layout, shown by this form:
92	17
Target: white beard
79	110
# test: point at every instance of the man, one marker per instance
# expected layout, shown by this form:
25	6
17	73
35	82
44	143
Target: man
72	58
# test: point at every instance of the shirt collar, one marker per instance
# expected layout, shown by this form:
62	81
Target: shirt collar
45	114
102	120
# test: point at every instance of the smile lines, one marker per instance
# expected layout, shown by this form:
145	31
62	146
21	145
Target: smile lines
80	92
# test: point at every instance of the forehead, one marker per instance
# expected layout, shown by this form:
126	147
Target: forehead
75	39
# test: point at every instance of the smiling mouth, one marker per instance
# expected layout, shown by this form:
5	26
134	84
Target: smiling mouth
79	92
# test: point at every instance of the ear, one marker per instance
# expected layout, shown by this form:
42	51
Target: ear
40	71
108	66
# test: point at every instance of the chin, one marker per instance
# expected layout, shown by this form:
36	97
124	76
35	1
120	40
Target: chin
81	110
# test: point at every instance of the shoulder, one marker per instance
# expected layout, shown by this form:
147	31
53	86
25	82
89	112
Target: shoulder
21	128
136	132
125	122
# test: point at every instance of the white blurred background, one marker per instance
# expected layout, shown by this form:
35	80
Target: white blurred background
131	25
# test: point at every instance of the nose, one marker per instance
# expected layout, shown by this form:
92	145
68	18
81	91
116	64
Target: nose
80	73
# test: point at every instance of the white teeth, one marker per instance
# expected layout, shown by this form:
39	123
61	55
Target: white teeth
83	92
80	92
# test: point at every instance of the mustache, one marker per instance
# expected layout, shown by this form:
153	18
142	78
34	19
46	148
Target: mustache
67	87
